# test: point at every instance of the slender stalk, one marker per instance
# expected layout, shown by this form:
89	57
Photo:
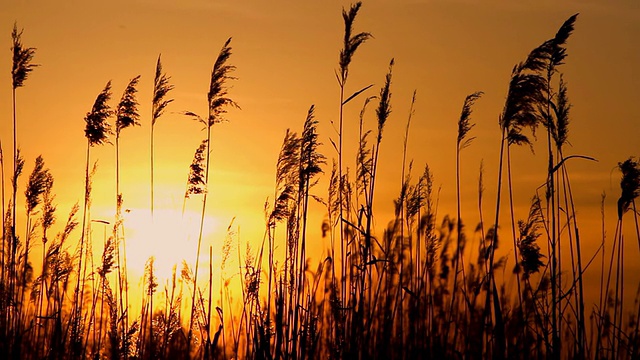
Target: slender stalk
603	296
513	233
202	216
161	89
402	217
15	179
207	350
487	317
78	293
555	271
464	126
581	343
218	101
96	131
351	44
21	67
3	230
151	152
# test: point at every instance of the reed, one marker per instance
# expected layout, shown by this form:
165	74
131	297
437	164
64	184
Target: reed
218	101
97	131
126	115
464	127
161	89
352	41
22	66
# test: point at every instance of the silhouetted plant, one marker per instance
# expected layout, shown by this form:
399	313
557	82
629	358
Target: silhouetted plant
39	180
196	184
464	127
218	101
21	68
97	131
126	114
352	41
530	256
630	190
161	89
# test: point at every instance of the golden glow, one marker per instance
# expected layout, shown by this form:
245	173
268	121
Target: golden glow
286	54
170	238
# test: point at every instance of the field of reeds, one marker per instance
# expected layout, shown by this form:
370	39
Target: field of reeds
420	284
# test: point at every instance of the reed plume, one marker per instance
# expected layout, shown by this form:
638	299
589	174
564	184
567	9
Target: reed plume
22	66
287	168
555	52
196	184
161	89
530	257
39	180
464	127
218	101
561	108
126	114
382	114
351	42
629	185
464	123
217	95
97	131
22	57
127	110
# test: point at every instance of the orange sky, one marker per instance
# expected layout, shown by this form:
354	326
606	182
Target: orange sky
286	53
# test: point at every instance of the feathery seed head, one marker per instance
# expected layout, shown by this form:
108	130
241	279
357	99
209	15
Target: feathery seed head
19	167
127	112
558	50
310	159
561	108
151	279
530	255
464	124
108	255
22	57
97	128
288	158
351	43
49	209
161	88
217	95
629	184
38	182
196	183
384	107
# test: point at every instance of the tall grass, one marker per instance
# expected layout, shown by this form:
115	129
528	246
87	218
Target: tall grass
217	103
161	89
97	131
352	41
126	115
423	286
21	68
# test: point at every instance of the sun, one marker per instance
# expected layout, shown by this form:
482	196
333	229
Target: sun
171	237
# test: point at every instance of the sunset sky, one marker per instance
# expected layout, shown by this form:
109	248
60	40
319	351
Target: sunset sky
286	53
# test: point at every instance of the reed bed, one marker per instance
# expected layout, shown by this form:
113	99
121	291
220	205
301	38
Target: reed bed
411	289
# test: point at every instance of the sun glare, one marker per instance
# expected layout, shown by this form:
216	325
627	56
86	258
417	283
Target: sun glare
170	237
